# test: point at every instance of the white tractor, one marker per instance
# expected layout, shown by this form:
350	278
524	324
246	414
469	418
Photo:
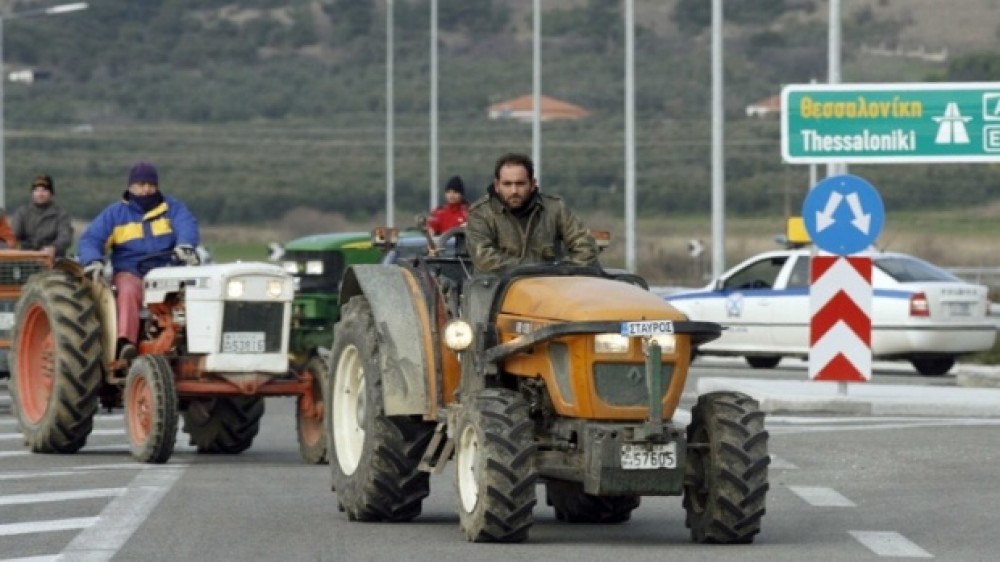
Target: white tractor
213	343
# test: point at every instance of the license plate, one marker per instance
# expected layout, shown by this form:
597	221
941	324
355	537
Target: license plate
647	328
960	309
6	320
647	456
243	342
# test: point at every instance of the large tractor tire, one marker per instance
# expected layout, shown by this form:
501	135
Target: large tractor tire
725	478
573	505
151	409
55	363
494	467
373	457
309	423
223	425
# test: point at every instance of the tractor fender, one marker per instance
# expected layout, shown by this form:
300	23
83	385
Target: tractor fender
104	298
403	330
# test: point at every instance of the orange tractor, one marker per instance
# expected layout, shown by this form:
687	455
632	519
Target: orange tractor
568	376
213	344
16	266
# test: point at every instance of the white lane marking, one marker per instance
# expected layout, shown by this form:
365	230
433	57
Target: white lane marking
4	454
76	470
46	526
18	435
781	464
818	496
122	516
53	558
885	543
42	497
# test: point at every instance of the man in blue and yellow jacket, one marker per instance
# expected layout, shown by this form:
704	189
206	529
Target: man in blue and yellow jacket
146	229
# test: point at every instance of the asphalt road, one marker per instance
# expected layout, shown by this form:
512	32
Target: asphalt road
842	488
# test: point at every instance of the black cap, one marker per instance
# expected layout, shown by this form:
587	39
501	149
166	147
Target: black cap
455	184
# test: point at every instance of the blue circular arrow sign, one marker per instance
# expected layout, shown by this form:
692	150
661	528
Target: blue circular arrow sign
843	214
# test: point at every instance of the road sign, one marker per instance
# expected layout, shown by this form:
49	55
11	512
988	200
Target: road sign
843	214
840	326
876	123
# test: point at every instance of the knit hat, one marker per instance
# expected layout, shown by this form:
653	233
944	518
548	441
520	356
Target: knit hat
143	172
455	184
43	180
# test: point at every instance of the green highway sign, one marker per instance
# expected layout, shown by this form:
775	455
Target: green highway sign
888	123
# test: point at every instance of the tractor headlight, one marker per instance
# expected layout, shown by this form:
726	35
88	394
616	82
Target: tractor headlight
314	267
291	267
235	289
610	343
458	335
667	343
274	287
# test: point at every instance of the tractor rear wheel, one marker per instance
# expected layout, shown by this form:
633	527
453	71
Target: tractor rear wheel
151	409
56	365
223	425
309	417
725	478
573	505
373	457
494	467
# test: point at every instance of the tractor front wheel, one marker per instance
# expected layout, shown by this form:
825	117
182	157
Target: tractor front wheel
309	415
56	359
373	457
151	409
494	467
725	479
223	425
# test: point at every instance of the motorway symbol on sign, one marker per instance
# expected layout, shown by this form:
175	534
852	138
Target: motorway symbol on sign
843	214
883	123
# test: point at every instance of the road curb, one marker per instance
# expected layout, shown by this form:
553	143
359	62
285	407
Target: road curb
865	399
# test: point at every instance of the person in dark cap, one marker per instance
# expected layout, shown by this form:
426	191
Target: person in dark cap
42	224
145	230
455	209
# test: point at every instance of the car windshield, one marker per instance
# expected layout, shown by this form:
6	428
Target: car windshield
905	269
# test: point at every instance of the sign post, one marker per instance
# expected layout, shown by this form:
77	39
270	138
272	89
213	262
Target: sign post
844	215
891	123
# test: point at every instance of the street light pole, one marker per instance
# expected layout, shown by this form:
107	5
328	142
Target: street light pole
50	11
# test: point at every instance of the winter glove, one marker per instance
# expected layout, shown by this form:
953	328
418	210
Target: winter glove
186	254
94	270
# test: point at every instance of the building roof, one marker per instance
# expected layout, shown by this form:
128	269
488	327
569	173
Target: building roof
765	107
522	109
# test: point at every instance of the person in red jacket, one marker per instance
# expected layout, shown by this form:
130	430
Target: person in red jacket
454	211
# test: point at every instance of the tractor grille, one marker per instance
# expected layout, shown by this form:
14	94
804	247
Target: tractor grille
624	384
267	317
17	272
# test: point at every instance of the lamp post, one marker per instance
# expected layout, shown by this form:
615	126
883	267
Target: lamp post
50	11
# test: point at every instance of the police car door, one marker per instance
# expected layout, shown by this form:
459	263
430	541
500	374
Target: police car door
749	298
790	307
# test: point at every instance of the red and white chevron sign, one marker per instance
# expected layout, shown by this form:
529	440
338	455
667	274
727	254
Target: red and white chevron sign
840	331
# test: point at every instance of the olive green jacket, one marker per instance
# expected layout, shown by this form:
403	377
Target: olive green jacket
497	240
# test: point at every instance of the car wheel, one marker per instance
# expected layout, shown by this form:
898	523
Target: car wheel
763	362
933	366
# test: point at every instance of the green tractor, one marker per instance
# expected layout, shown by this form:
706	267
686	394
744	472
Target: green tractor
318	263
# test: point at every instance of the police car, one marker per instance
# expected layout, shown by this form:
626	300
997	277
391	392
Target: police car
920	312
